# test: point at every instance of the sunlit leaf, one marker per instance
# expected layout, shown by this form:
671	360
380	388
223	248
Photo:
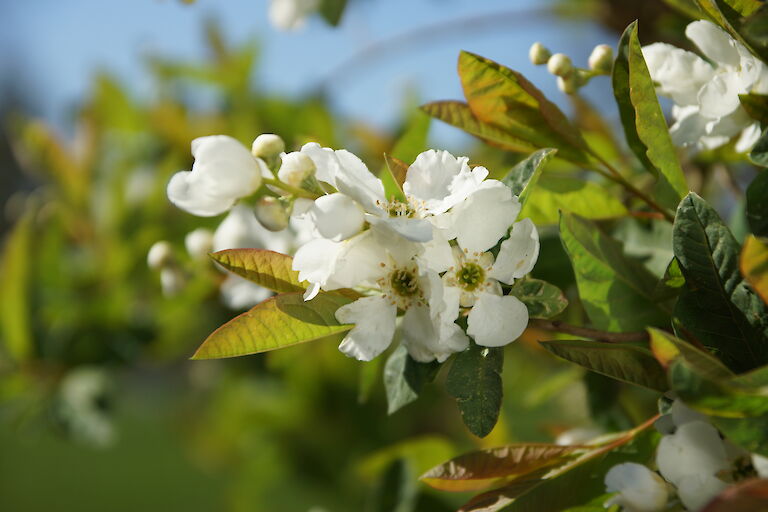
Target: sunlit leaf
621	361
475	382
553	193
757	205
754	265
278	322
666	348
616	292
543	300
524	175
482	469
716	305
269	269
15	307
644	125
404	378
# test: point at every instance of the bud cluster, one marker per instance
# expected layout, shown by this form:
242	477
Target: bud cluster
569	77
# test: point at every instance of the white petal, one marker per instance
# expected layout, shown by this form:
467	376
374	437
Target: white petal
720	96
761	465
495	321
698	489
316	261
639	488
415	230
518	253
427	339
229	167
359	262
484	217
689	128
290	14
199	243
694	448
374	319
437	254
355	180
336	216
239	230
682	414
679	73
325	160
748	138
713	42
239	293
193	195
441	180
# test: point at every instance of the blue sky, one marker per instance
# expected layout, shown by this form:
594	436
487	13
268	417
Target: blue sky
56	46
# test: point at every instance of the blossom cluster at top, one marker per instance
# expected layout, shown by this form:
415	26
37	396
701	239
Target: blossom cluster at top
436	254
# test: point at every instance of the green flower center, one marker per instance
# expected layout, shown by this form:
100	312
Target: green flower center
404	282
397	208
470	276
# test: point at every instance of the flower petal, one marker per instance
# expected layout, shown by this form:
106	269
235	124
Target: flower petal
518	253
639	489
720	96
315	261
713	42
495	321
484	217
679	73
360	262
694	448
186	191
355	180
337	216
437	255
374	319
441	180
427	340
415	230
228	166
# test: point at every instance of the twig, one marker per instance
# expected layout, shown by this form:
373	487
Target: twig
594	334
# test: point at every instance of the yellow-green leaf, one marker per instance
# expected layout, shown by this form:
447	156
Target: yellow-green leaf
553	193
754	265
266	268
15	270
278	322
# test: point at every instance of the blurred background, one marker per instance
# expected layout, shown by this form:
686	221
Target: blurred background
100	408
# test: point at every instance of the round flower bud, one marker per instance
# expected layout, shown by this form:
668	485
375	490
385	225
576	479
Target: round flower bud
337	216
539	54
199	243
272	213
560	65
638	488
601	59
567	84
267	145
159	255
171	281
296	168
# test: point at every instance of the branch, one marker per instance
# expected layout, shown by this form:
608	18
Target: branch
594	334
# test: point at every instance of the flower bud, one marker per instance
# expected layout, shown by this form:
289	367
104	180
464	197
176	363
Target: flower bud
160	255
272	213
539	54
199	243
171	281
296	168
567	84
601	59
560	65
637	488
267	145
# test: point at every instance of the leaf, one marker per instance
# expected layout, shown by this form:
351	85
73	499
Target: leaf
666	348
397	170
643	121
555	192
479	470
759	152
458	114
754	265
714	11
368	376
616	292
749	433
278	322
266	268
747	496
543	300
408	146
756	106
475	382
16	272
523	176
503	98
404	378
396	491
628	363
757	205
716	305
332	10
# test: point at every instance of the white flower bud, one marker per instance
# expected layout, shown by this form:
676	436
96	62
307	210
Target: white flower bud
267	145
560	65
601	59
639	489
159	255
199	243
296	168
539	54
272	213
567	84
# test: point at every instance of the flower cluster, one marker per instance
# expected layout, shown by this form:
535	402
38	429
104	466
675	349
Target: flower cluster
569	77
426	253
693	461
707	110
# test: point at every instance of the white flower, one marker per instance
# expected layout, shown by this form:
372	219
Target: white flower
82	396
707	110
267	145
698	489
159	255
761	465
295	168
291	14
223	172
199	243
172	281
639	489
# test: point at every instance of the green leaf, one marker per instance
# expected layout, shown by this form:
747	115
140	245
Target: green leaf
543	300
759	153
749	433
396	490
523	176
616	292
555	192
332	10
278	322
404	378
16	272
269	269
482	469
628	363
643	121
757	205
754	265
667	348
475	382
503	98
747	496
756	106
395	177
716	305
408	146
